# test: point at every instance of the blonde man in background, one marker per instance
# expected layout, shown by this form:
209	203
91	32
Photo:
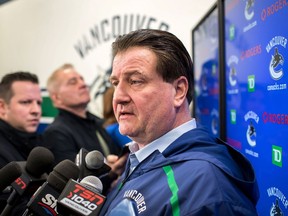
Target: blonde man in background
74	127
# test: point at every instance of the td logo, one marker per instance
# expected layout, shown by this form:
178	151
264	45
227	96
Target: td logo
277	155
233	116
251	83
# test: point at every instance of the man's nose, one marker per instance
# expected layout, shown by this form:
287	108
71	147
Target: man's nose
121	95
36	107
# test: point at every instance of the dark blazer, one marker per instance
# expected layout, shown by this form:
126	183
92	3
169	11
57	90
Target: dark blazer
68	133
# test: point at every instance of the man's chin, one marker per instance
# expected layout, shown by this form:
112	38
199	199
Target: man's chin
125	131
31	129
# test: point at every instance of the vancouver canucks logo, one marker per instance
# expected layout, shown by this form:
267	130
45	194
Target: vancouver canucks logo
232	76
214	122
97	89
101	83
204	85
251	134
251	118
275	47
276	64
276	210
249	11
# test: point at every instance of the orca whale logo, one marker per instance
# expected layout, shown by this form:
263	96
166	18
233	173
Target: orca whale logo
276	63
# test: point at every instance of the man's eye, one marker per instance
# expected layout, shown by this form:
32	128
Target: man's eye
132	82
25	102
72	82
114	83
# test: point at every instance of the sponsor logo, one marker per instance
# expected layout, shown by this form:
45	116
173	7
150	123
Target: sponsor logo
273	9
277	60
275	49
249	9
256	50
21	184
277	155
279	201
251	83
108	29
214	122
83	200
232	31
232	75
251	134
249	14
232	64
275	118
204	83
49	204
233	116
85	197
252	118
275	209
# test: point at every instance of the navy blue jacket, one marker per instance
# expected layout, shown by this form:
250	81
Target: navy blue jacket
196	175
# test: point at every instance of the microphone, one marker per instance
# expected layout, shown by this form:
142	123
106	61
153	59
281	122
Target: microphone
94	160
82	198
93	183
44	201
33	175
9	173
91	163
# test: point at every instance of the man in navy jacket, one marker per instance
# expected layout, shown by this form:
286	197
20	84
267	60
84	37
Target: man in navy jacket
180	168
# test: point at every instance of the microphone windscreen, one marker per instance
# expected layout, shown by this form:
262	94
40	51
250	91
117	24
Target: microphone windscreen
39	161
94	160
9	173
61	174
93	183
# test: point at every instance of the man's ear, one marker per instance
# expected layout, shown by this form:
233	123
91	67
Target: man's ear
181	88
3	106
55	98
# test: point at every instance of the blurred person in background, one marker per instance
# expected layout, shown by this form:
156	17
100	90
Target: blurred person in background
74	127
20	113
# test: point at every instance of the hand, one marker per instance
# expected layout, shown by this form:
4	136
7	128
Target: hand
117	163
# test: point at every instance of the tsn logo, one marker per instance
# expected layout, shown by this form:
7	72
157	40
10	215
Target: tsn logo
85	197
20	182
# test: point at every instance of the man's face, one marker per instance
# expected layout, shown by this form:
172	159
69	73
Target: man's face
143	102
23	112
72	90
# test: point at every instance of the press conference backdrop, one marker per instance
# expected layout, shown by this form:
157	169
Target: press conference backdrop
254	65
256	34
